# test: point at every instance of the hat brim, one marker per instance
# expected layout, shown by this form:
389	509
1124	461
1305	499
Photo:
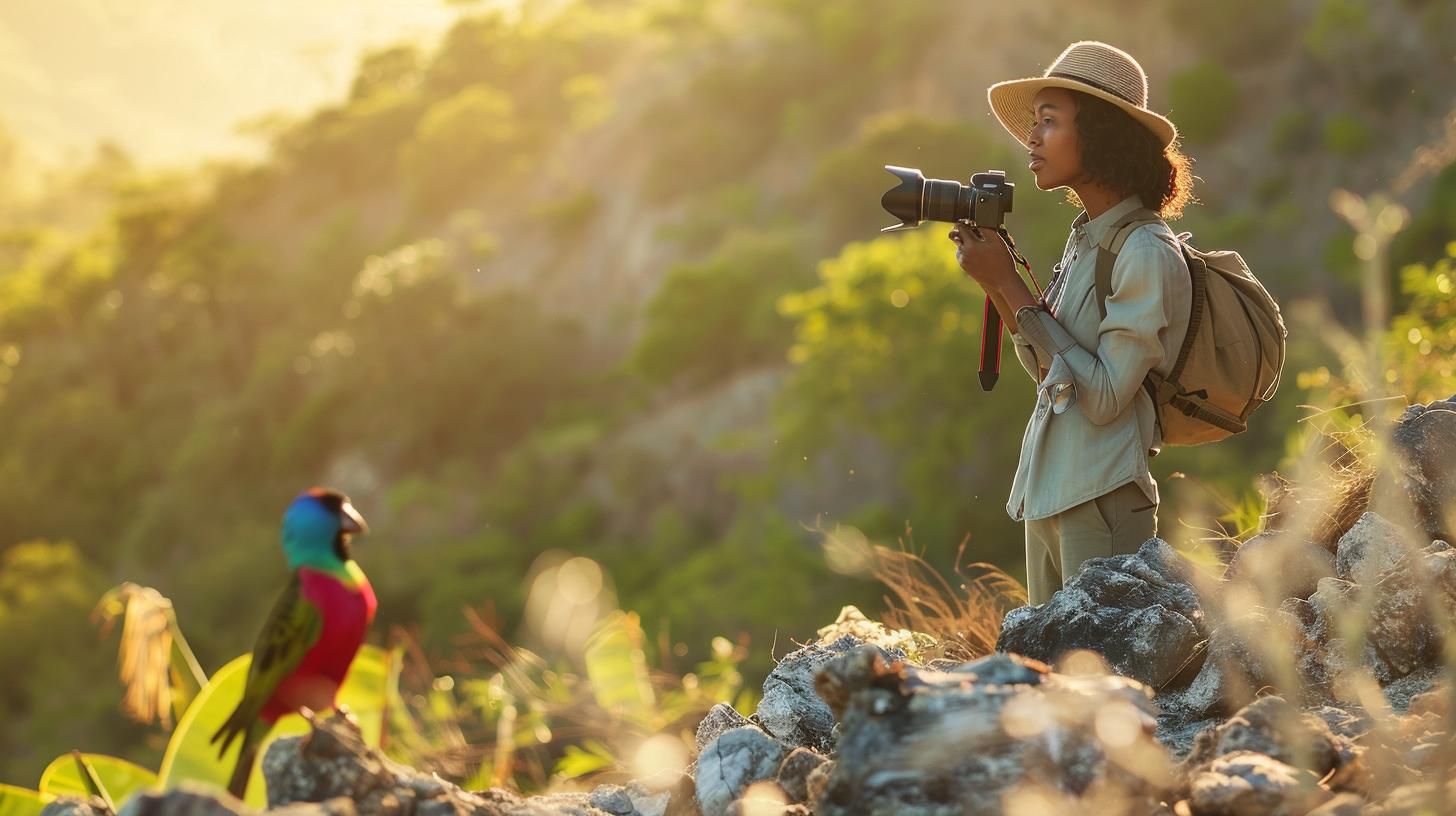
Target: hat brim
1011	103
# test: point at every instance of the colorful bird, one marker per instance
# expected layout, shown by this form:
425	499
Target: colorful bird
314	631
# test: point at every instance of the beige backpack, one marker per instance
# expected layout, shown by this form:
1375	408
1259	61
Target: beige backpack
1230	360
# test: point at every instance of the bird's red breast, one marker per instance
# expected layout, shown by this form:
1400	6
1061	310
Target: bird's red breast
347	612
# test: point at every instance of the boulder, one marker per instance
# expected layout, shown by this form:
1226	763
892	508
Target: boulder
732	763
1425	481
1138	611
919	742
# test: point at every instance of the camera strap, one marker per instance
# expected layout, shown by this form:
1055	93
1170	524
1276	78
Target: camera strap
1021	259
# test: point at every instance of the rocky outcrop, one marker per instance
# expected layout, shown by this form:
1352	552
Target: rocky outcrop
924	742
1139	612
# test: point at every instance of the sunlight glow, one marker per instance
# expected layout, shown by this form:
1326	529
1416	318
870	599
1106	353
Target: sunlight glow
660	755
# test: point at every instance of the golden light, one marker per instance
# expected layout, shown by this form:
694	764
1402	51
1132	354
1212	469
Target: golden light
1118	724
1026	716
763	799
660	755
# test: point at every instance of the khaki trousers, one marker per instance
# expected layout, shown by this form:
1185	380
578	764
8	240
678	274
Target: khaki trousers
1114	523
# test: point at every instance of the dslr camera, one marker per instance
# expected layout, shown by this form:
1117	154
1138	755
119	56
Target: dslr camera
916	198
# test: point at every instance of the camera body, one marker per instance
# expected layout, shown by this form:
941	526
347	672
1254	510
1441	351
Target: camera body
984	202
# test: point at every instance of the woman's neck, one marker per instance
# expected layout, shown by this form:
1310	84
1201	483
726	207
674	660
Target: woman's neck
1097	199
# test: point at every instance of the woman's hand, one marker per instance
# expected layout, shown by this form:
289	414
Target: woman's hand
983	256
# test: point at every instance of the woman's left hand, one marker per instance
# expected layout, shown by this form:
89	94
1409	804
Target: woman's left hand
983	256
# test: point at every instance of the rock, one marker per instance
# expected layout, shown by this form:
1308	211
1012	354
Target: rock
790	709
1251	783
1138	611
1279	566
733	762
1277	729
1370	547
187	800
331	765
1241	657
613	799
1345	804
1425	438
918	742
720	718
76	806
794	771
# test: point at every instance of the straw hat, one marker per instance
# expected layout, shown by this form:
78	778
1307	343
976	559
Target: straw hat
1091	67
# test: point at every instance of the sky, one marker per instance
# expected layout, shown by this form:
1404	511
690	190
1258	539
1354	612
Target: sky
171	80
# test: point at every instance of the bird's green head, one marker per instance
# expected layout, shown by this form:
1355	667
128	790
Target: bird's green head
317	528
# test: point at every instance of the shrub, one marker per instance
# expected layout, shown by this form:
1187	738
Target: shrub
1204	101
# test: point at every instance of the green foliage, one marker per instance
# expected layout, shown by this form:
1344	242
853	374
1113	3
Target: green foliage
886	346
118	778
1293	131
715	318
1204	100
1346	134
15	801
192	756
1432	224
1335	24
1236	31
465	144
847	182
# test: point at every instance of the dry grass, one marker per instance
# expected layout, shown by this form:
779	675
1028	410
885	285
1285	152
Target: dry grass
965	618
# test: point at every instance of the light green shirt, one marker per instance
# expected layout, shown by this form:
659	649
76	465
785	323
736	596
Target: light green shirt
1094	427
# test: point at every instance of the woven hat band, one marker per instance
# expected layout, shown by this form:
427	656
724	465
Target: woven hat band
1101	86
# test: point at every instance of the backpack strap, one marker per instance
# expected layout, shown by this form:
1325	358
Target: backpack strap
1111	244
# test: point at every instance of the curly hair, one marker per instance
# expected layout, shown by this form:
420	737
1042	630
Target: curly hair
1121	154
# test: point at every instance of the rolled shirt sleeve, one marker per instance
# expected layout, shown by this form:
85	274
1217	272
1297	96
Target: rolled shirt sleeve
1027	356
1130	337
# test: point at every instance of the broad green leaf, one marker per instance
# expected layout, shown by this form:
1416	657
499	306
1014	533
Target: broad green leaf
21	801
192	756
119	777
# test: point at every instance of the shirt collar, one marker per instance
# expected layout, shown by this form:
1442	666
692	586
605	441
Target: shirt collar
1096	228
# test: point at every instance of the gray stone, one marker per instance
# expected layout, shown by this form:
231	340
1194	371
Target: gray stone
1251	783
1278	566
1370	547
187	800
731	763
75	806
1240	658
1138	611
612	799
794	771
720	718
1344	804
918	742
790	708
1275	728
1425	439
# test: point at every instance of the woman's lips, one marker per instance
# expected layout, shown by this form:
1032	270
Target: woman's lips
1035	164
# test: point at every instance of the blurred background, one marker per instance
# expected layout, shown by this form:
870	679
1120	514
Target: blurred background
601	279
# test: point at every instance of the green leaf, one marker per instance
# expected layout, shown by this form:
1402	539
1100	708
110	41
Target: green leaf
192	756
120	778
580	760
21	801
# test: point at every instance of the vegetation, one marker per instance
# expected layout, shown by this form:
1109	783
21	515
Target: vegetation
601	280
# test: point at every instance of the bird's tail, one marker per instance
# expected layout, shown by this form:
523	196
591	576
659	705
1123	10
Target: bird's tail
252	739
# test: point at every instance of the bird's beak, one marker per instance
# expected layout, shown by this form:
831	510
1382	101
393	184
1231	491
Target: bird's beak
350	521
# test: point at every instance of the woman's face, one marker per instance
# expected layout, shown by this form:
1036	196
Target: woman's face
1056	158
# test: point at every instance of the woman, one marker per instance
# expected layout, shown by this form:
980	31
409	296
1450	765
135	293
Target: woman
1082	484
